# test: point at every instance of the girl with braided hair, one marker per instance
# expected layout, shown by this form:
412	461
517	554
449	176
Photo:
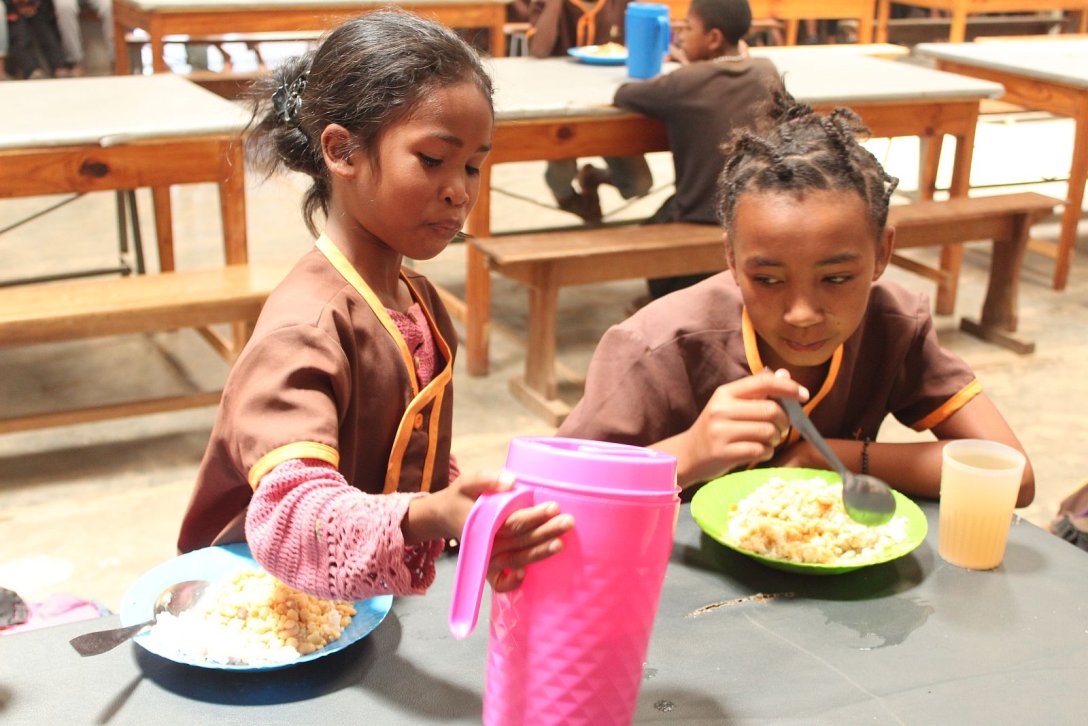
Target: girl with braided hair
802	312
330	454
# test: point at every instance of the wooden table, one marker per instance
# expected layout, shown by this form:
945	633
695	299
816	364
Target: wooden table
107	133
960	9
912	641
556	109
215	17
1046	74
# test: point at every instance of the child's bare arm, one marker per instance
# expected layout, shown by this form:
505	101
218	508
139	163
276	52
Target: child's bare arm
915	468
545	28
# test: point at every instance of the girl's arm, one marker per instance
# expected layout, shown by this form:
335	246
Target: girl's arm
915	468
309	528
544	19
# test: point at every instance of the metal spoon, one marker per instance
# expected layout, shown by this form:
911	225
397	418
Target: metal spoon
174	600
866	499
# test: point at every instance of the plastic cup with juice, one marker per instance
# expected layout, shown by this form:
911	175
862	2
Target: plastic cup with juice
979	483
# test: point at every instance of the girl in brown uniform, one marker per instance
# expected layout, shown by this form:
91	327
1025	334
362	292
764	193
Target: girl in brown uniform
805	211
330	455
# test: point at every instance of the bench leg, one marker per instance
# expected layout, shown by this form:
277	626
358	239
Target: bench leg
539	389
951	261
999	310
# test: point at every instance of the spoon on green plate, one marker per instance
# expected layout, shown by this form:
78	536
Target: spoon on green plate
867	500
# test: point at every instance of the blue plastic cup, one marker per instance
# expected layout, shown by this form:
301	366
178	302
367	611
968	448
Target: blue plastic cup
647	32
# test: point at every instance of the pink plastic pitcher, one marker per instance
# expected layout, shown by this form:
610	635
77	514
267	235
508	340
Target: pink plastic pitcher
568	645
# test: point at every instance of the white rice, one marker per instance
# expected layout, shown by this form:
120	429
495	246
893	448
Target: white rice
804	521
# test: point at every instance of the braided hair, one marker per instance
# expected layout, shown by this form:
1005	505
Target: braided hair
366	75
804	150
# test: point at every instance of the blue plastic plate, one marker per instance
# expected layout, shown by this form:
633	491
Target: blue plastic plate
217	563
590	54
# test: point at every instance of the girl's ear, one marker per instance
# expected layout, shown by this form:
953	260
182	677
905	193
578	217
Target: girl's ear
884	251
336	147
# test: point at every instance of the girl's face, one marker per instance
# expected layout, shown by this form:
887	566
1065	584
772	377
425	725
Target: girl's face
417	196
804	265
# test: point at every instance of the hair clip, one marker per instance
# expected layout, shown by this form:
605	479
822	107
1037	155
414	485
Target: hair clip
287	100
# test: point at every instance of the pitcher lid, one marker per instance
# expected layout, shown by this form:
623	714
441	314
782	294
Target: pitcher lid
595	464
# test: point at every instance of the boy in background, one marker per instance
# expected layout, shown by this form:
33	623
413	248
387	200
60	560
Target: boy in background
717	89
555	27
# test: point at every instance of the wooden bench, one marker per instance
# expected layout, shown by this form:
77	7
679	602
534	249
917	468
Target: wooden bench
546	261
88	308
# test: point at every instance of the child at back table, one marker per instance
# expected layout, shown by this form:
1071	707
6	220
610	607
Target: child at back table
717	89
804	207
330	455
556	26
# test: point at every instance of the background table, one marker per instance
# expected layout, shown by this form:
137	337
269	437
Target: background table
960	9
95	134
1045	74
911	641
215	17
556	108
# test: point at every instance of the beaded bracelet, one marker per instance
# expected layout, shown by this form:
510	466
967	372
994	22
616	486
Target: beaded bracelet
865	455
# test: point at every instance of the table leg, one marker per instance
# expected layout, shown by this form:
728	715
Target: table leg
1078	177
883	13
477	319
164	227
121	65
158	50
232	203
792	27
865	29
498	40
958	32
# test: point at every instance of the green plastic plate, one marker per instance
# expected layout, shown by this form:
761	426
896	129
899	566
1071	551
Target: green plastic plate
712	506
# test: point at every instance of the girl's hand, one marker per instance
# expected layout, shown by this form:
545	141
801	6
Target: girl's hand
740	424
528	535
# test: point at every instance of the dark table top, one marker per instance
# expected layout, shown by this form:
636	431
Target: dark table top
911	641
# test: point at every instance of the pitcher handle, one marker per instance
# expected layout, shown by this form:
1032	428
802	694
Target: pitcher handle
666	32
483	521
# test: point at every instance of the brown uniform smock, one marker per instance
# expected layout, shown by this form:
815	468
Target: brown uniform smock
611	15
653	374
701	104
321	378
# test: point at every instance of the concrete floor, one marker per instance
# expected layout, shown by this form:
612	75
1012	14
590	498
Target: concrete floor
84	510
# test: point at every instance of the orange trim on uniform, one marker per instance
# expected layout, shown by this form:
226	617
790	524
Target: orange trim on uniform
434	392
755	364
949	407
586	27
349	273
287	452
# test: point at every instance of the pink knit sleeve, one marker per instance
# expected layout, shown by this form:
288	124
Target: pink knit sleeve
311	529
